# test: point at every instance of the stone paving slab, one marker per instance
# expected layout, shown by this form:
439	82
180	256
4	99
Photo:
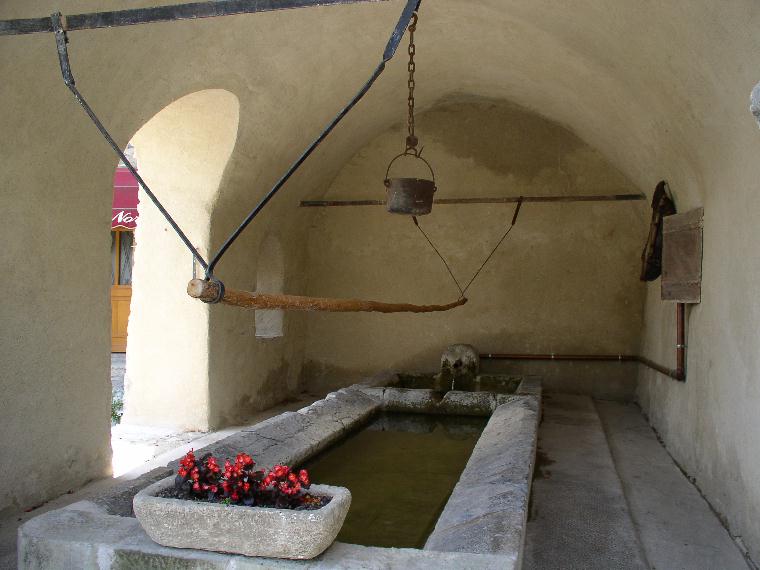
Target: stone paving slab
675	524
579	516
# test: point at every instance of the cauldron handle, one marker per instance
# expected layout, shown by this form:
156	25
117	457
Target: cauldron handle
407	153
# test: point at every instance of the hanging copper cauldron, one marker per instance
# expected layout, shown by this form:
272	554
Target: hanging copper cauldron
410	196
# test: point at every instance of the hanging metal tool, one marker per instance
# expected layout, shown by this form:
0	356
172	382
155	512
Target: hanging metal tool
410	196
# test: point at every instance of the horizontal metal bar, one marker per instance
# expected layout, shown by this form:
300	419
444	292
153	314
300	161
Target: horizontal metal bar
502	200
581	357
25	26
675	374
190	11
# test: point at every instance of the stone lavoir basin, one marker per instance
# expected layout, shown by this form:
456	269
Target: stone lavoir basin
448	489
401	469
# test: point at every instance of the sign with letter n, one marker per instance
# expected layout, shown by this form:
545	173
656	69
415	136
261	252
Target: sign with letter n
682	257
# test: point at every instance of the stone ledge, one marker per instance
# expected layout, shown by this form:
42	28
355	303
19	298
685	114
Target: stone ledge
488	509
453	402
529	386
72	538
292	437
118	499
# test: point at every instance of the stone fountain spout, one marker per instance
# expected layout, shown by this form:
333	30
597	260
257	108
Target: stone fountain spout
460	365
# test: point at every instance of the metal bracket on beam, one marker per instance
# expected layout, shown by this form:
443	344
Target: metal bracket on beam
61	39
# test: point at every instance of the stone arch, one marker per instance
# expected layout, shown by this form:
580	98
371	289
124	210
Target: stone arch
183	152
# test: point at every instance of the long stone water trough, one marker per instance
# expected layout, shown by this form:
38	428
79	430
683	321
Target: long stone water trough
482	524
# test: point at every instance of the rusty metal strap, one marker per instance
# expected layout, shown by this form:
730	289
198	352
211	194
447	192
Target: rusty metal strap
189	11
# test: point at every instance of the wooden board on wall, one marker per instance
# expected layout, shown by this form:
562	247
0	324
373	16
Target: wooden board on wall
682	257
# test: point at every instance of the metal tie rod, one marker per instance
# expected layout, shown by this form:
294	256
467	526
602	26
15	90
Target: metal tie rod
493	200
189	11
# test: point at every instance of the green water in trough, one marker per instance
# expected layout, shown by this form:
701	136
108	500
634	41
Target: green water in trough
400	469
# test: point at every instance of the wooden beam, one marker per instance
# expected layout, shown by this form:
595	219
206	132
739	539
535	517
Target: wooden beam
209	290
500	200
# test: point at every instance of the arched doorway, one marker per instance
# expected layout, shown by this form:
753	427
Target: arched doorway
182	151
123	223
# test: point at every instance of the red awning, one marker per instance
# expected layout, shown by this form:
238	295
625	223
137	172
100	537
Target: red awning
124	205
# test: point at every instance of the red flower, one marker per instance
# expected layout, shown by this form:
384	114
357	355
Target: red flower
279	486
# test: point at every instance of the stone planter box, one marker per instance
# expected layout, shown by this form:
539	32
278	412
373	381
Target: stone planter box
252	531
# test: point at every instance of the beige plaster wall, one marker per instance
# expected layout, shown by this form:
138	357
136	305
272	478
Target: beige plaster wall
660	88
565	280
249	373
710	423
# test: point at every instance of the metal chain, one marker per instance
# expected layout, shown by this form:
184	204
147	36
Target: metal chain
411	139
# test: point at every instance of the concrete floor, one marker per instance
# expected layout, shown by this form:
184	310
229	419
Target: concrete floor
134	446
607	495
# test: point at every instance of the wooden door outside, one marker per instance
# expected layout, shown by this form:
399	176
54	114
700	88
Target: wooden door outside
121	287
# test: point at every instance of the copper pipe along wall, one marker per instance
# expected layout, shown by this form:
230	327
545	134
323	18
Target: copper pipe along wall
681	341
678	374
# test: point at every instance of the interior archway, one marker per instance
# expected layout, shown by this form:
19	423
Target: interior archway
183	151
